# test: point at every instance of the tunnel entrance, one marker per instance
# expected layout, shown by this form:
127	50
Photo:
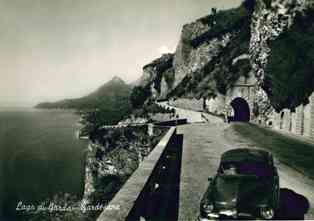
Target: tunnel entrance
241	110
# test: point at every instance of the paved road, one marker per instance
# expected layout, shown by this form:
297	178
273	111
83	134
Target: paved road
193	116
203	145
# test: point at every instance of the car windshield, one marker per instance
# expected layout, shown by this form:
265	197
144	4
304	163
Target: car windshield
246	168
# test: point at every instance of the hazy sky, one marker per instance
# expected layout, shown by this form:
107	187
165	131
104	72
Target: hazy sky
55	49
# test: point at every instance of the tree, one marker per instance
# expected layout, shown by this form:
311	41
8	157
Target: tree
249	5
139	95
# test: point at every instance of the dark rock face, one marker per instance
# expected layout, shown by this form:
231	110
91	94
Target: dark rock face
158	75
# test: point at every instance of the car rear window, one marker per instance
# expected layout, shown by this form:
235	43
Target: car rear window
249	168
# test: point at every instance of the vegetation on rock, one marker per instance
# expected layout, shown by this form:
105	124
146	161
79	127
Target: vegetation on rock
289	75
222	22
139	95
151	109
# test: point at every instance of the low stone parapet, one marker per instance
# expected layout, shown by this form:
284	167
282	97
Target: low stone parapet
125	200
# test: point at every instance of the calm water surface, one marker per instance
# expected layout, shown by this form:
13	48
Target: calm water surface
40	156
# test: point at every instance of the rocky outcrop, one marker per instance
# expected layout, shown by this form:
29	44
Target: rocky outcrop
159	76
189	59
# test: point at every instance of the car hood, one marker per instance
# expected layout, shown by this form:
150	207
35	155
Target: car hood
234	190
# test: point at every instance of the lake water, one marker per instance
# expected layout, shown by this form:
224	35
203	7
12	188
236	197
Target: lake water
40	156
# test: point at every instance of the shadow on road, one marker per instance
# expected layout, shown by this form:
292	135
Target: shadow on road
160	198
293	206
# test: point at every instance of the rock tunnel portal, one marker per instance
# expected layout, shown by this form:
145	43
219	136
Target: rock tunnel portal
241	110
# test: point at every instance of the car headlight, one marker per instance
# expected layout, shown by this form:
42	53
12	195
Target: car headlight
207	207
267	212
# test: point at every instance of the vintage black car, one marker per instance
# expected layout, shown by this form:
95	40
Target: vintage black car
246	186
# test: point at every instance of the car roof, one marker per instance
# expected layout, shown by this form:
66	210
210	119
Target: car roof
246	155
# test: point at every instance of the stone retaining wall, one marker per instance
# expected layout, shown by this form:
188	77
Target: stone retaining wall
299	122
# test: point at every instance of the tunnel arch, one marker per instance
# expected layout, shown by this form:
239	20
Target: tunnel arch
241	110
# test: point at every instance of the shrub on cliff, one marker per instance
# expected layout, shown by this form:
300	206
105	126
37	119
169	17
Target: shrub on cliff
139	95
225	21
105	189
169	77
155	109
267	3
106	116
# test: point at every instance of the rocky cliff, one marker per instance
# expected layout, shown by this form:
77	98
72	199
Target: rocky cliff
216	50
270	19
203	45
159	76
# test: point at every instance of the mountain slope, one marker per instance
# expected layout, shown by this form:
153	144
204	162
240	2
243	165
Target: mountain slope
108	104
111	94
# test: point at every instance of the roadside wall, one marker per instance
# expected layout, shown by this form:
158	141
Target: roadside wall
299	121
128	199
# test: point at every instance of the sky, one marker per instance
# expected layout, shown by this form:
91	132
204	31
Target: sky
56	49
